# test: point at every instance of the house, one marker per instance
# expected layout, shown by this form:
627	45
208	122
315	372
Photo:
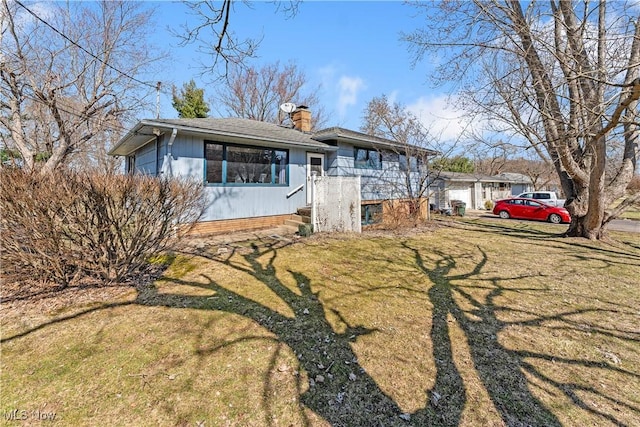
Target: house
519	183
473	189
258	174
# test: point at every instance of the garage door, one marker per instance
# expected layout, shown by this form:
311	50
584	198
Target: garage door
464	195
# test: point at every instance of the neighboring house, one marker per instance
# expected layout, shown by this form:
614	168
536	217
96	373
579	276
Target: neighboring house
257	174
519	183
472	189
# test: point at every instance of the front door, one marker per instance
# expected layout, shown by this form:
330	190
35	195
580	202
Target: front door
315	163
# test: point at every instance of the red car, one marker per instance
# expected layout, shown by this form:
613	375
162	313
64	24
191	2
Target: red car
530	209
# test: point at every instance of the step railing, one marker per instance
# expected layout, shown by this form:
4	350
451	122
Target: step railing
295	190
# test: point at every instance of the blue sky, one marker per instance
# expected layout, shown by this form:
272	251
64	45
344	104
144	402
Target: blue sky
351	49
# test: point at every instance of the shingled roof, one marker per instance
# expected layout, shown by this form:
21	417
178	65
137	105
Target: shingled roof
342	134
232	129
246	131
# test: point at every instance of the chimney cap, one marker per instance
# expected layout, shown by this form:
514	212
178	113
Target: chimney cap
302	107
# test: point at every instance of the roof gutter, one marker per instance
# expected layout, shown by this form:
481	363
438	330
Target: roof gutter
122	140
174	132
238	135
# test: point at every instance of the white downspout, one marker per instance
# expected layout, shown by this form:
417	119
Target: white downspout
169	147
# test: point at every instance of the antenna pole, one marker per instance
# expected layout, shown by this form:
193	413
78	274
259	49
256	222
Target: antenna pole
158	100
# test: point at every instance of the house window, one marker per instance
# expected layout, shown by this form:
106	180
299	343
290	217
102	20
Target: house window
391	156
371	213
365	158
239	165
408	163
131	164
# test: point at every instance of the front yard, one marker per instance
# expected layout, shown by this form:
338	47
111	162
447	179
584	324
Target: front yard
469	322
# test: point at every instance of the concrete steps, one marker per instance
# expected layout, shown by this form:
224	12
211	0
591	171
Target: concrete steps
293	223
305	214
299	219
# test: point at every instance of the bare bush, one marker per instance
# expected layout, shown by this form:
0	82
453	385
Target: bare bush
634	185
405	213
68	226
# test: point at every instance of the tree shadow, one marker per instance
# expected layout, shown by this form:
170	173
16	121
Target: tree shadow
623	252
500	369
65	319
339	389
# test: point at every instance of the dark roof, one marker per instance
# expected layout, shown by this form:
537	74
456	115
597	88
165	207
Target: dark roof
246	128
347	135
247	131
516	177
233	129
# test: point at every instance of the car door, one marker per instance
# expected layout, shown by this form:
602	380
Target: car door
534	210
516	208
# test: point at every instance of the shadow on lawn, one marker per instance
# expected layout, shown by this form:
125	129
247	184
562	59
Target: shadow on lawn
339	389
498	369
623	252
501	369
344	394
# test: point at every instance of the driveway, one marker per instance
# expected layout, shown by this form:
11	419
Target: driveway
624	225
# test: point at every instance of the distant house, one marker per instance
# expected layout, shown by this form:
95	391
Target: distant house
257	174
474	189
519	183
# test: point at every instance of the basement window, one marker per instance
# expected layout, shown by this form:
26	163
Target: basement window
371	213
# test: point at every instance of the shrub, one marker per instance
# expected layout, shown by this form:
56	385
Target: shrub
488	205
68	226
404	213
634	184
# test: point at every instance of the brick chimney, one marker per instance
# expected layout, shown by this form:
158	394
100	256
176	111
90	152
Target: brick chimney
302	118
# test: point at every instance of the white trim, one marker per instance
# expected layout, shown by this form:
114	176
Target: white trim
309	175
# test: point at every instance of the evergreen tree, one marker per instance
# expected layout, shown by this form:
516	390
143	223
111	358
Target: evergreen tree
454	164
190	103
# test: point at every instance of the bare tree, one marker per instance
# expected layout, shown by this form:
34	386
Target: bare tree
564	75
393	121
257	93
541	173
71	77
213	33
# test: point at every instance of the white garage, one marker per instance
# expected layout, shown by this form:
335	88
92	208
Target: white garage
463	194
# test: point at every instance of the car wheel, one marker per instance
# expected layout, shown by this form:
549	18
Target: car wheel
555	218
504	215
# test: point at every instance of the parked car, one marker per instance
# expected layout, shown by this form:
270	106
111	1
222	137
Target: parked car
548	197
530	209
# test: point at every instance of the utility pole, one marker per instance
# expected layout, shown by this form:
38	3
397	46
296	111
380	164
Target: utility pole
158	100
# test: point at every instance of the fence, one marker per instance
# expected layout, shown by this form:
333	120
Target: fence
336	204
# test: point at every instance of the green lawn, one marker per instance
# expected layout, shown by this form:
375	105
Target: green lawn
632	212
469	322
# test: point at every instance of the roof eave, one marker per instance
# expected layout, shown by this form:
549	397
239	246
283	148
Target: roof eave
373	142
120	150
